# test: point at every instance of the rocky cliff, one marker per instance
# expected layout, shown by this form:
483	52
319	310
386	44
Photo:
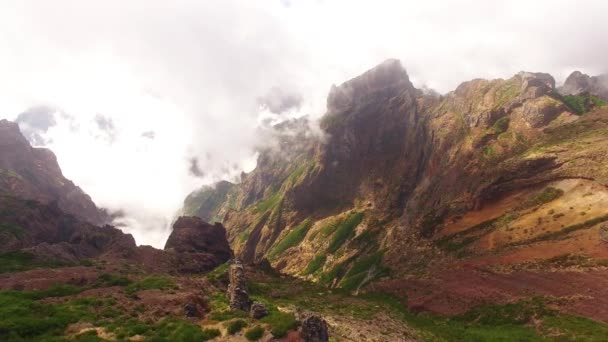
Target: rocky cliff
34	174
404	182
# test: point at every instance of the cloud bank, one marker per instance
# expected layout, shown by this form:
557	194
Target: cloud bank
143	101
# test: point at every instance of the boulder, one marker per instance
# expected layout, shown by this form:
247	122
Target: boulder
314	329
198	246
258	310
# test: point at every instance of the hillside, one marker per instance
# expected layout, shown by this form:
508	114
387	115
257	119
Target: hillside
425	196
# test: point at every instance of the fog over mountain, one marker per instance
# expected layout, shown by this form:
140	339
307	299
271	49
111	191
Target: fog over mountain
144	101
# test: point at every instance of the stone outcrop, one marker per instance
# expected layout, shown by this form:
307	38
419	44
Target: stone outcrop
48	233
258	310
34	174
238	297
403	164
314	329
198	246
578	83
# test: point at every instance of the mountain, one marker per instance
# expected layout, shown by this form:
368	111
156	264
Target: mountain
34	174
494	192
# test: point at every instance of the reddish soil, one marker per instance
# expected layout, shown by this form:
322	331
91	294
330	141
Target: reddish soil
43	278
455	290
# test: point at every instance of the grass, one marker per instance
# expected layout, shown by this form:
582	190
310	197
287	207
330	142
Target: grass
220	309
151	283
329	228
280	322
581	104
501	125
21	261
269	203
365	269
547	195
344	231
315	264
293	238
12	229
236	326
565	231
254	333
24	317
492	322
107	280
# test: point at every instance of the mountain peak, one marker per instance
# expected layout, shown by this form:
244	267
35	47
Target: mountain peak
386	76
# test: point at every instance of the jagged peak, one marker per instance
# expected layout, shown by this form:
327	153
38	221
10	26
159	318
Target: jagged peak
389	74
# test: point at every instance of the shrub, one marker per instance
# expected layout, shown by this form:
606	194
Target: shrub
234	327
254	334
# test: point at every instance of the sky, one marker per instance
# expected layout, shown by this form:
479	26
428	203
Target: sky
144	101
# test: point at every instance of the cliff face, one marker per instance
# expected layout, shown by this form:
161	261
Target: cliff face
34	174
403	181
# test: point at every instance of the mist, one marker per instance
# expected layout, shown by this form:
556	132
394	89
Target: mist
145	101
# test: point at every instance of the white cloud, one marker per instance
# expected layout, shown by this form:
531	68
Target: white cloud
192	72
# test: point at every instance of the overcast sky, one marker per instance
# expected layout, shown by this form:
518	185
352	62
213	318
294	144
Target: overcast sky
129	93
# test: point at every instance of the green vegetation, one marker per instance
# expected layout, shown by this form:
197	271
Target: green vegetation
315	264
151	283
291	239
269	203
219	272
12	229
582	104
527	320
21	261
565	231
344	231
23	317
329	228
458	243
280	322
501	125
235	326
365	269
112	280
547	195
489	152
429	224
220	309
254	333
506	92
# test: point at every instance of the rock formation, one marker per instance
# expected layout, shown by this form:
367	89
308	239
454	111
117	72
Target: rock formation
314	329
387	181
198	245
578	83
258	310
34	174
237	289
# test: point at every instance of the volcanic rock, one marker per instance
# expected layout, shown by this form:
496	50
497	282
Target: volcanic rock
34	174
578	83
314	329
198	245
237	289
258	310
